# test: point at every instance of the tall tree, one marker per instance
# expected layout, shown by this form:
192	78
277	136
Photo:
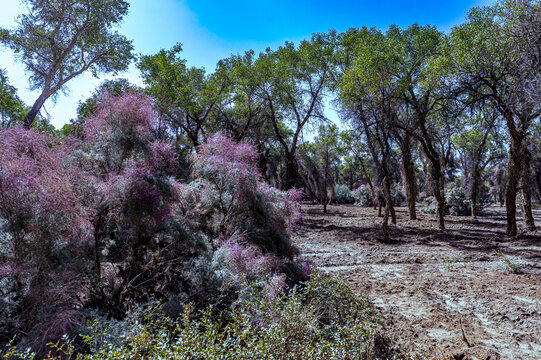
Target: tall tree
60	39
478	144
319	160
12	108
492	65
294	80
412	51
185	97
367	98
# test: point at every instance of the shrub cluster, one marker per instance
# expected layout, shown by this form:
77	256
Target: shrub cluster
322	319
457	203
91	227
363	195
343	195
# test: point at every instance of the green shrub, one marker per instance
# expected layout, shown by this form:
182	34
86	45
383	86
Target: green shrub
363	196
322	319
456	203
397	196
343	195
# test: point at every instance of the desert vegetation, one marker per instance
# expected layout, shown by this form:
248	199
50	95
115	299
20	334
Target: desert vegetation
178	219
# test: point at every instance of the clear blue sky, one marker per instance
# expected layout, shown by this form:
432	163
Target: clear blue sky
211	30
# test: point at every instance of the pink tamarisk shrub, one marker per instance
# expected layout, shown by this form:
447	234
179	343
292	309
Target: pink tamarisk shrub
44	234
238	201
228	199
132	173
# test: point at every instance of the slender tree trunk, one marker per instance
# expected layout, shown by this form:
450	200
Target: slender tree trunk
438	194
387	196
386	186
34	111
408	176
514	171
538	181
475	191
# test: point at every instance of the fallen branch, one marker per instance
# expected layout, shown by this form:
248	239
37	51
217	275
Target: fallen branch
463	334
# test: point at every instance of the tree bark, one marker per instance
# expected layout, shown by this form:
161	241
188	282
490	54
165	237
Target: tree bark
292	173
511	191
475	191
526	195
438	194
388	204
408	176
34	111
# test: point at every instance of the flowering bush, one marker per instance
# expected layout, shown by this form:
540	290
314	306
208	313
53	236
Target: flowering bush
43	236
227	197
93	226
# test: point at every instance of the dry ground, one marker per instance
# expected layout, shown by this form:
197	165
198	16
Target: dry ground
426	280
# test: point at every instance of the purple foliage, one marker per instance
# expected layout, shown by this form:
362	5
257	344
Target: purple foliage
130	113
73	210
247	259
45	222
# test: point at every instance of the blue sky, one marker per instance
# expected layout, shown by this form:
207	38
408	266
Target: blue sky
211	30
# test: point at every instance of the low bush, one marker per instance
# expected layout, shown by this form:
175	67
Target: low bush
343	195
397	195
363	196
322	319
457	203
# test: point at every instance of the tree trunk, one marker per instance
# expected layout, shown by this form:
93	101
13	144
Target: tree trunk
292	173
387	196
408	176
475	191
438	194
511	191
526	195
538	182
34	111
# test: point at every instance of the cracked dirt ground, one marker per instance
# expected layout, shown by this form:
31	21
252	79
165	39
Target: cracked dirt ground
424	281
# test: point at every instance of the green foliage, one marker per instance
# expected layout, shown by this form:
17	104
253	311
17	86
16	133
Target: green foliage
12	108
363	196
185	97
343	195
321	320
457	203
58	41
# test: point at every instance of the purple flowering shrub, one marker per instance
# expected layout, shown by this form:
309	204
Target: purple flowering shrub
44	231
103	223
226	180
248	223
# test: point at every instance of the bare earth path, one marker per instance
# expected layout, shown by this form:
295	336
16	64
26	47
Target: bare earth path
426	280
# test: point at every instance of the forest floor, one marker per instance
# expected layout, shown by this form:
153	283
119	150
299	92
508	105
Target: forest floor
426	282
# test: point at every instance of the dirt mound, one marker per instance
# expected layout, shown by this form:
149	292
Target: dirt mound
468	291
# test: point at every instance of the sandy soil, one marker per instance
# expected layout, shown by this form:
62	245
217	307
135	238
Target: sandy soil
427	281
